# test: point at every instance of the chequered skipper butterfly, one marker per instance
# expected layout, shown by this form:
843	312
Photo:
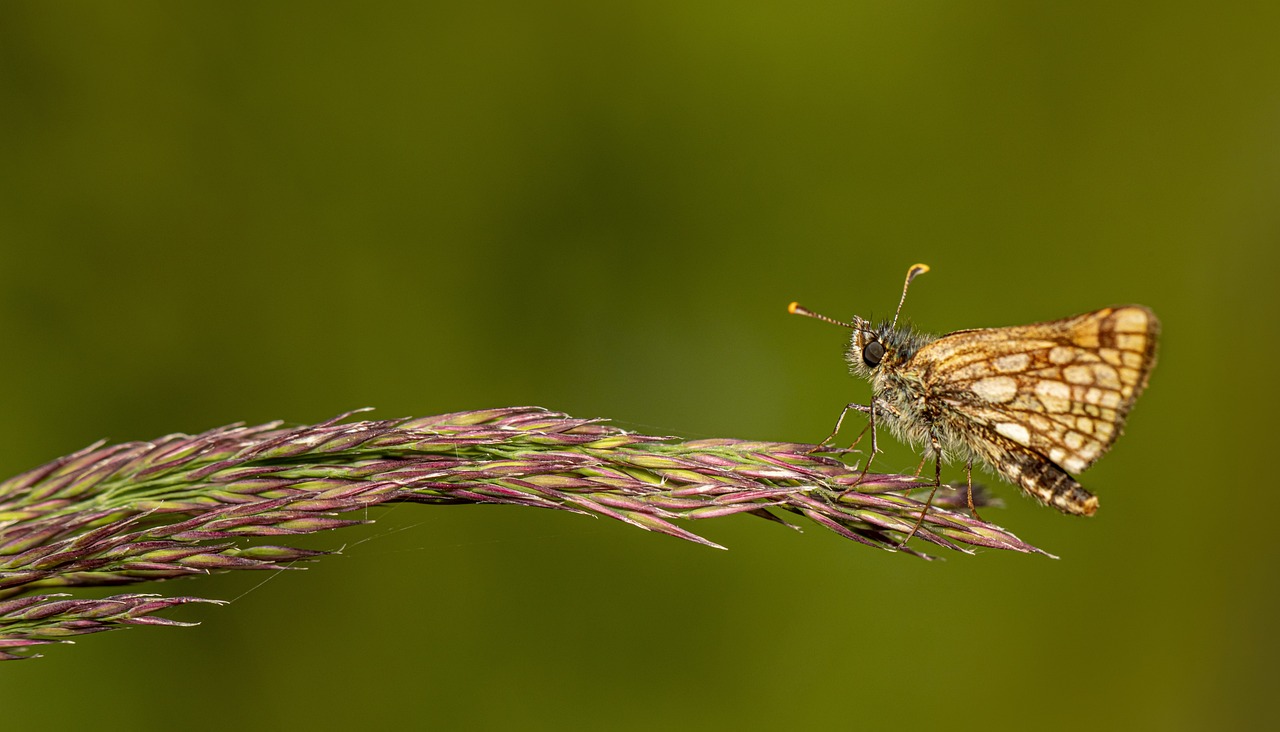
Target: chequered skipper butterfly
1034	402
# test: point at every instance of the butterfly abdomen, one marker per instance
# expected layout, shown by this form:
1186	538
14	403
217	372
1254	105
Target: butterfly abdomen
1046	482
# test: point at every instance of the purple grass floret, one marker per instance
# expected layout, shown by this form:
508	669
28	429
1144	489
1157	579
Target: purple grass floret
42	619
187	505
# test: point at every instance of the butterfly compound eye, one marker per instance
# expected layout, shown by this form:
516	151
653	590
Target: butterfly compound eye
872	353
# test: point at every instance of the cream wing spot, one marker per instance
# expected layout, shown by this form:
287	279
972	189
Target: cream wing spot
1061	354
1012	362
996	389
1073	464
1078	374
1054	395
1106	376
1039	422
971	371
1131	320
1074	440
1131	342
1014	431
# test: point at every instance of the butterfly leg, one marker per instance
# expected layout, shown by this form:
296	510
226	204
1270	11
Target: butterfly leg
870	411
968	470
862	434
844	412
937	482
920	465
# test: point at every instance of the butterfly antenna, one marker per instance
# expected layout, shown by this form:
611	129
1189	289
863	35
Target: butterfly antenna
796	308
916	269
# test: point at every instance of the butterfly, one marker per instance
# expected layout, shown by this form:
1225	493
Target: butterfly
1035	403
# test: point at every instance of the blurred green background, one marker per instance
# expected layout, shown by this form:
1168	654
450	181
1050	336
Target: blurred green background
214	212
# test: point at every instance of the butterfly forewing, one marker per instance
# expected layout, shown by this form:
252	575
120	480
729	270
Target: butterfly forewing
1060	389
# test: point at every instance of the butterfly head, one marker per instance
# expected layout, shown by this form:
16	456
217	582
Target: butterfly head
869	347
884	347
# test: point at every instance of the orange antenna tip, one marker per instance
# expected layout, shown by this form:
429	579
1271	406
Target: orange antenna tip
796	308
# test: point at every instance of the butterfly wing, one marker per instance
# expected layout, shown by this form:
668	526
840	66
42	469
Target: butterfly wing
1058	391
